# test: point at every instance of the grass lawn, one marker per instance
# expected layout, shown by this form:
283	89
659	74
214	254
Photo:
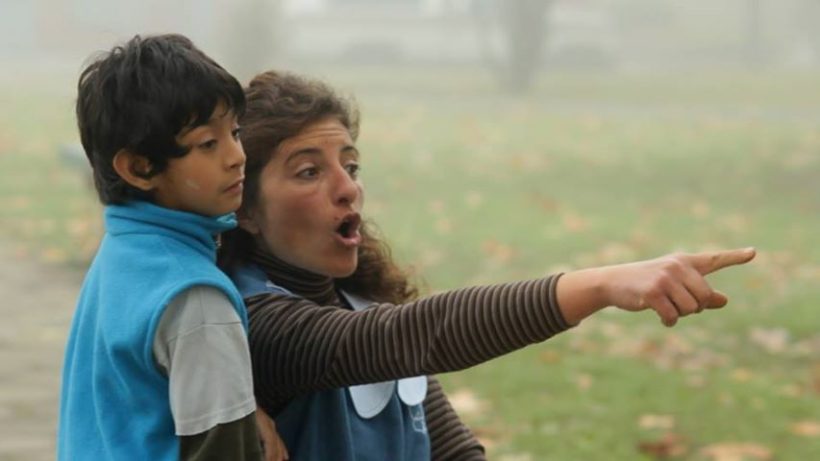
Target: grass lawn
471	187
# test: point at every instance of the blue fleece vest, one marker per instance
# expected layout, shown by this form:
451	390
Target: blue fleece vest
372	422
114	401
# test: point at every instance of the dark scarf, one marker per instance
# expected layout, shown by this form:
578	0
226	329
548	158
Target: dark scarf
317	288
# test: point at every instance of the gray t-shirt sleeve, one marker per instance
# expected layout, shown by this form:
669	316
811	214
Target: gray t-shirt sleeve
202	348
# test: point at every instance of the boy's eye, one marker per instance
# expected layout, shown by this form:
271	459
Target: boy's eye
210	144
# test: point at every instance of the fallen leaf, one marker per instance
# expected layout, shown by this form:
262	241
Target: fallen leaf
650	421
545	203
78	227
736	223
499	252
742	375
668	446
574	222
549	356
791	390
806	428
430	257
444	226
695	381
489	436
464	401
615	252
731	451
726	399
436	206
54	255
815	379
16	202
583	381
772	340
700	209
516	457
473	199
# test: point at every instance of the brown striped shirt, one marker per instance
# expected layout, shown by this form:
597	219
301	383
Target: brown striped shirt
314	342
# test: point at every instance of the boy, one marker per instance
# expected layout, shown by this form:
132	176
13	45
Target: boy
157	364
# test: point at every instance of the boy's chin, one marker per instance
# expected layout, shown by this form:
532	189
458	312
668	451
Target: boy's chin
214	212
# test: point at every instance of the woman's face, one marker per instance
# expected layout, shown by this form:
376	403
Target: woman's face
307	213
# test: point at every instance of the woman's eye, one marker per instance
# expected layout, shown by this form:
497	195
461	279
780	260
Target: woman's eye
353	170
307	173
236	132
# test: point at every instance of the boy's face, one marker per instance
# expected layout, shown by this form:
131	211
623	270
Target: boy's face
208	179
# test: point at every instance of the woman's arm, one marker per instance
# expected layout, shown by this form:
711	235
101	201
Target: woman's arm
673	286
299	347
450	439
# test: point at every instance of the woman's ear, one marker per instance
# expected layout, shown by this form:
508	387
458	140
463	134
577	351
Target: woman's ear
133	169
247	222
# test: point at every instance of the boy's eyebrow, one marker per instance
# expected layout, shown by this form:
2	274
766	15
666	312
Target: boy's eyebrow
214	118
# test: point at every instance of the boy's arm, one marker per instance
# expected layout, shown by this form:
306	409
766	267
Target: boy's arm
235	440
202	348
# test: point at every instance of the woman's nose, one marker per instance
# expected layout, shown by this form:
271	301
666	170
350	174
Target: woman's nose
347	190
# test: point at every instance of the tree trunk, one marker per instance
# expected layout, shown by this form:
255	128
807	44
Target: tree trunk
525	28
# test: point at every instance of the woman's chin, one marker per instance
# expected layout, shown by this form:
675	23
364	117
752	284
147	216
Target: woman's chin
343	271
340	274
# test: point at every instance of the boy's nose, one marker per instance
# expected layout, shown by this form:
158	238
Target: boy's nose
235	157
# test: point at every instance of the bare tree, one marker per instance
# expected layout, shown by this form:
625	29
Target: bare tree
808	18
755	53
513	34
253	35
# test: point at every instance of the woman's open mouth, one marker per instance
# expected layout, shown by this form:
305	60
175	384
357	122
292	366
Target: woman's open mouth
348	231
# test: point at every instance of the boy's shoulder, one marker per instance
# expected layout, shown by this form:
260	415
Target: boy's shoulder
157	257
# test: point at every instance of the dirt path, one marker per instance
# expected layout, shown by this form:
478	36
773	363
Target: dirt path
36	303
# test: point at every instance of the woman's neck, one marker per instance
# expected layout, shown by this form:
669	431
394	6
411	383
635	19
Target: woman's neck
318	288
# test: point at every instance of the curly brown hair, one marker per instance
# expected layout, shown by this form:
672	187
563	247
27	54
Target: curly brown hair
279	105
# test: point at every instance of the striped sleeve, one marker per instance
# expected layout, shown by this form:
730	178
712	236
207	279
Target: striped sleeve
298	347
450	439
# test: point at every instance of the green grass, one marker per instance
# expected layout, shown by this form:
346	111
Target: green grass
472	187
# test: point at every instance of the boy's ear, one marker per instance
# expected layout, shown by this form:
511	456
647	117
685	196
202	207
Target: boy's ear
133	169
246	222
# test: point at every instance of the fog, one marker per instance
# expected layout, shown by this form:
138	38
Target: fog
501	140
509	39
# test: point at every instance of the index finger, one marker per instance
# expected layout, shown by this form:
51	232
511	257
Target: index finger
712	261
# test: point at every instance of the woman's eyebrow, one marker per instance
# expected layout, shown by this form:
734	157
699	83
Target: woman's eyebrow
311	151
351	149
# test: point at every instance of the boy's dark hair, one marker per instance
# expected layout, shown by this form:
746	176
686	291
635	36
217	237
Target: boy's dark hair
139	97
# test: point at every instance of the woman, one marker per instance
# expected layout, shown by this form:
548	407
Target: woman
333	323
